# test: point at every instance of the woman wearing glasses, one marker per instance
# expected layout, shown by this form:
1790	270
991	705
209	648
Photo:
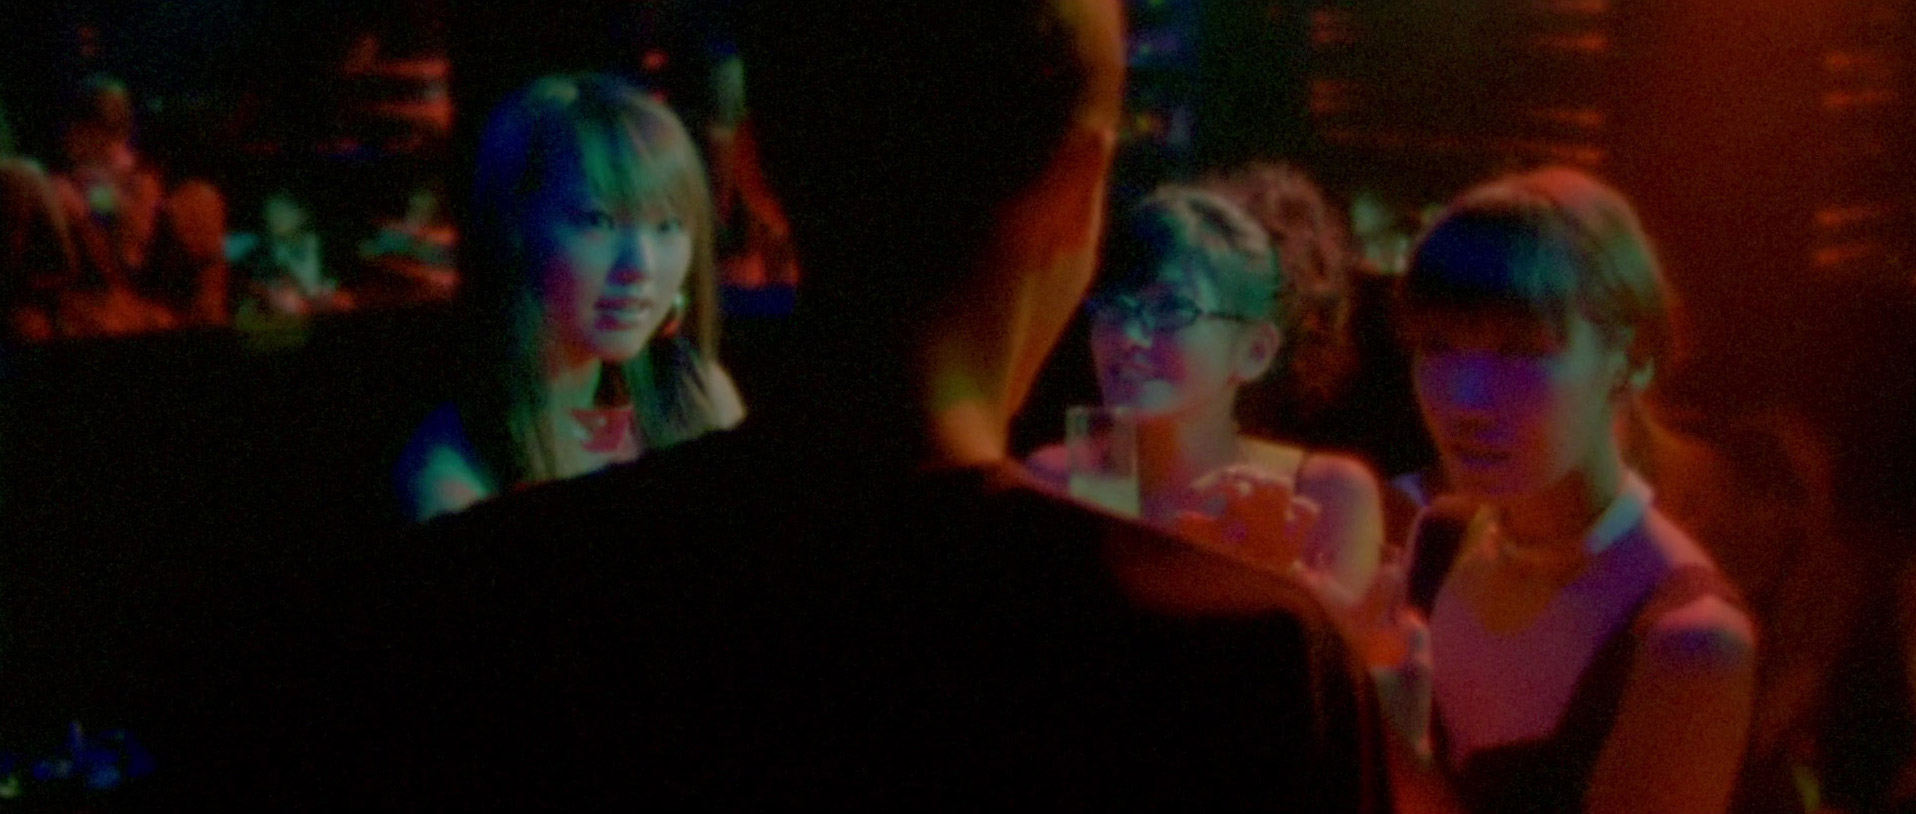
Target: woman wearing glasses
1192	309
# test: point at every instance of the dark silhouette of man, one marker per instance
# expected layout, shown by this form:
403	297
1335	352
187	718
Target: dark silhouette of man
856	599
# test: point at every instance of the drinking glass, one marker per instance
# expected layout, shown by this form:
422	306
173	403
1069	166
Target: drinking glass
1102	445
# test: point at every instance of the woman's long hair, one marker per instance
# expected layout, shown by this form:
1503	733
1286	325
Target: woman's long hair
634	152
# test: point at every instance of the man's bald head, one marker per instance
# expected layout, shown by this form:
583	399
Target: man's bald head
905	126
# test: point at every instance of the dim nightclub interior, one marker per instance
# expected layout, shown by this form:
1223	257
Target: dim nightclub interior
1486	405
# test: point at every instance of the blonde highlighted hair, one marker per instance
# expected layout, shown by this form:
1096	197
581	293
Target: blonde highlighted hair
635	154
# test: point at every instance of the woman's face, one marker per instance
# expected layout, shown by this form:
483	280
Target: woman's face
1166	350
608	279
1514	408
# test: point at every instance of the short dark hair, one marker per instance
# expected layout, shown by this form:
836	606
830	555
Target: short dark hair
905	125
1541	246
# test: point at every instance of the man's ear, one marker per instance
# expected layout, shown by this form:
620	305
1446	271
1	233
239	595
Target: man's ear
752	186
1258	351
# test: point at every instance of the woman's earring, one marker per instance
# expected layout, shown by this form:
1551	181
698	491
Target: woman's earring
675	319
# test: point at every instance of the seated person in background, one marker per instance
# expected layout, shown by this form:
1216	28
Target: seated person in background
589	276
112	199
857	599
187	272
418	246
285	267
1195	307
1587	653
46	290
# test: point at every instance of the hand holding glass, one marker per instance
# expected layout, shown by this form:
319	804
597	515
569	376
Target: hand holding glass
1102	445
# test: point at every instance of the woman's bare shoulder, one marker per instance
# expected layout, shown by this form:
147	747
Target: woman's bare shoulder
1707	630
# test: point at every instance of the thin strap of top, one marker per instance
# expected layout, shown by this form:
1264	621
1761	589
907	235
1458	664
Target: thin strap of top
1277	457
1437	539
1685	584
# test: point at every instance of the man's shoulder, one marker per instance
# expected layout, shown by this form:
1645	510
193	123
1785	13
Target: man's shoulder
741	493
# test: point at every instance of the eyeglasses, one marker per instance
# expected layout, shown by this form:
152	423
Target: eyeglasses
1156	315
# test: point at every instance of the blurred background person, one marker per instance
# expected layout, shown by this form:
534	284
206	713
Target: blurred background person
418	245
285	265
112	198
589	273
39	264
48	292
1379	233
187	273
1196	307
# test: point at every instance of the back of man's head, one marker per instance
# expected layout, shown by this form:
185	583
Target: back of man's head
893	132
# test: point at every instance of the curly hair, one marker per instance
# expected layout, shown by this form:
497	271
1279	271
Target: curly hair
1309	236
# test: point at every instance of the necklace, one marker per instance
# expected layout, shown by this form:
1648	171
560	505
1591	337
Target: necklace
604	430
1537	558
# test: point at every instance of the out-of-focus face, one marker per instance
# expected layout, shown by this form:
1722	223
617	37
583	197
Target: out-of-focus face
1147	362
1513	408
421	206
607	279
284	216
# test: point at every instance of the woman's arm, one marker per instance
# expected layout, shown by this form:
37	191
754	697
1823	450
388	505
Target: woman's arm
1348	539
1679	736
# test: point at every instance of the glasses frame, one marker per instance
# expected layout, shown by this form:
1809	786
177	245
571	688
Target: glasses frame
1121	310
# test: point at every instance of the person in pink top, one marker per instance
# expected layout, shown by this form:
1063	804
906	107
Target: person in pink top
1586	654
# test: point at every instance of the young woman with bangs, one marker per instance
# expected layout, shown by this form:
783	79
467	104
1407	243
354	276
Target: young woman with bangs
1586	655
587	265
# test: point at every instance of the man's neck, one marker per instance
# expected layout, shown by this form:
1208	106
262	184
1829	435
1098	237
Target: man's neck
889	394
